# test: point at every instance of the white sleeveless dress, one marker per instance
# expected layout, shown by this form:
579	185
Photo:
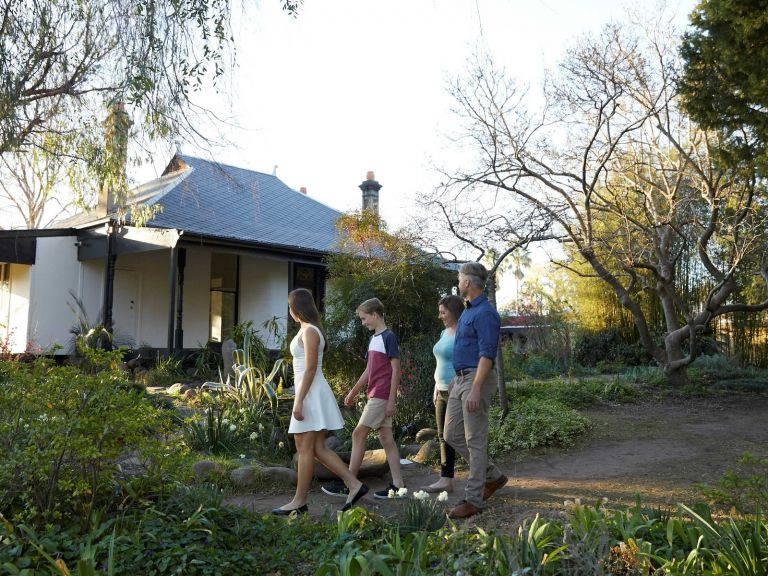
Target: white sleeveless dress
320	409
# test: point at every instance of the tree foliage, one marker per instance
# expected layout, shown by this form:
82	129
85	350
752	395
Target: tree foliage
726	56
374	263
627	179
62	61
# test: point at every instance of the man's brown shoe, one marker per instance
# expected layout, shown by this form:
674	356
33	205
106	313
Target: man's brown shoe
463	510
492	485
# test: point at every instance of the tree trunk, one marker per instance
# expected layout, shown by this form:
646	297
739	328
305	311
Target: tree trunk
678	377
491	289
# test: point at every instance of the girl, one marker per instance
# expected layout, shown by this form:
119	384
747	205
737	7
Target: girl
314	409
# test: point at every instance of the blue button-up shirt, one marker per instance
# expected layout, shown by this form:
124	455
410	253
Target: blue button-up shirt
477	334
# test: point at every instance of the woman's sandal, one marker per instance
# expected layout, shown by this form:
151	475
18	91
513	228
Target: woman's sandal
362	491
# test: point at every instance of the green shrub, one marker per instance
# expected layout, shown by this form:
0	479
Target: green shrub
165	372
65	436
575	393
415	409
541	366
183	536
534	423
744	488
608	346
213	434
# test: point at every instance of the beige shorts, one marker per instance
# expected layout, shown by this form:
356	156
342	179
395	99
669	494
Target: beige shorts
375	414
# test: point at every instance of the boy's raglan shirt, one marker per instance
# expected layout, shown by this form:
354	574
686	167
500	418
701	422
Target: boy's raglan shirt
381	349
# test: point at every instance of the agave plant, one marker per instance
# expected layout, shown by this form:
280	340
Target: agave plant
251	384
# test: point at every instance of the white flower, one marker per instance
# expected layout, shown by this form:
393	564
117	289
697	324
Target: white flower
605	500
391	493
261	427
281	445
43	417
253	436
242	455
443	496
402	491
421	495
577	502
232	427
225	421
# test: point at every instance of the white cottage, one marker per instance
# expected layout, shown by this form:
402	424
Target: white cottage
228	246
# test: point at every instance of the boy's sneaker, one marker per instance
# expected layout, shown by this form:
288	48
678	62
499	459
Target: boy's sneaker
384	494
336	489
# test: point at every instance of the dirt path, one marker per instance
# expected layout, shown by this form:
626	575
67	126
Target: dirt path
660	450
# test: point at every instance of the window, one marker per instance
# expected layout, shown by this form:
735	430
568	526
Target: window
312	278
224	296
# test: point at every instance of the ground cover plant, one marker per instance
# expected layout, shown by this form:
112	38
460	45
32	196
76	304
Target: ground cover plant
581	540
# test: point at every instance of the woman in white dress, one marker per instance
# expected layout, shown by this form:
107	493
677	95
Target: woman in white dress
314	409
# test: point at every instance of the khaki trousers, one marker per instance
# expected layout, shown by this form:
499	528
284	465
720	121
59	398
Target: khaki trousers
467	433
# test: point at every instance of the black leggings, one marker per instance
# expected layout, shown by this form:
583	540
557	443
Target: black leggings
447	453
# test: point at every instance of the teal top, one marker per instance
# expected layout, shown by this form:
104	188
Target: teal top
443	351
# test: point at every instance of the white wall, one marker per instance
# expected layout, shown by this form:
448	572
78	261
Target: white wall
41	304
263	293
55	273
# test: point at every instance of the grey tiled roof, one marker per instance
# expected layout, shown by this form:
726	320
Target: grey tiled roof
211	199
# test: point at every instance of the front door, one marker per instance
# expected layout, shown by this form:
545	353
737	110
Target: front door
125	307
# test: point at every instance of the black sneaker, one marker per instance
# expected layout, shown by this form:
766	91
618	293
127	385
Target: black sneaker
336	489
384	494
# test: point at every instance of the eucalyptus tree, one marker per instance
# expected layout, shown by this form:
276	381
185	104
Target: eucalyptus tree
62	61
625	177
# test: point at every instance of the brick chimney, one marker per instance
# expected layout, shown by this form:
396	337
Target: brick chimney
116	131
370	188
303	190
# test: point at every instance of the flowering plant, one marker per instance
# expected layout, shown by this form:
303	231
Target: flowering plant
424	514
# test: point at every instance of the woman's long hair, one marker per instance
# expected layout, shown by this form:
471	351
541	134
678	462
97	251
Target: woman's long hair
301	302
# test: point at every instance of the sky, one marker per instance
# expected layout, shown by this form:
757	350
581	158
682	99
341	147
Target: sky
350	86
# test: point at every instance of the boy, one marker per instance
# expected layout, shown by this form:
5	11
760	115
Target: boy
382	375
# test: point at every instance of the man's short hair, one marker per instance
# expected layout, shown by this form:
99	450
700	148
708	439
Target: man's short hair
476	273
372	306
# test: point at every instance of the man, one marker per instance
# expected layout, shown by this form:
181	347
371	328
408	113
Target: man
466	421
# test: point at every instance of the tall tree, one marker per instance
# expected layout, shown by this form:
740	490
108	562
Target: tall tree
62	61
486	229
723	81
30	185
626	178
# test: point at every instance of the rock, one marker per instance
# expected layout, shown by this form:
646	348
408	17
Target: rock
178	388
228	348
203	468
408	450
190	394
280	475
245	476
428	450
332	442
374	464
425	434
